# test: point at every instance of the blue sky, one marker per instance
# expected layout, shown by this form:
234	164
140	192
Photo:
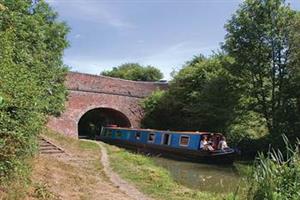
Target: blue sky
162	33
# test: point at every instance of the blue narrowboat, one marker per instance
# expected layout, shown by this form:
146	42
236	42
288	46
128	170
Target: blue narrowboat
175	144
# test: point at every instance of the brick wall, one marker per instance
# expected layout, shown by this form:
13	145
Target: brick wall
87	92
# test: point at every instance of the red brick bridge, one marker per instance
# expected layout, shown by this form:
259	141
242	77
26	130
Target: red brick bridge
95	101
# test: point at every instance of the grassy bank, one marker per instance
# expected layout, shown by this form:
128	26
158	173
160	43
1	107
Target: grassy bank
151	179
77	174
17	185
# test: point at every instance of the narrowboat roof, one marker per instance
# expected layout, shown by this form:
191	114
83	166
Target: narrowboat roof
154	130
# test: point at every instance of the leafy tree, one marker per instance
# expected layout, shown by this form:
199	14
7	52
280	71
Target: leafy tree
32	77
135	72
295	68
259	39
201	97
153	106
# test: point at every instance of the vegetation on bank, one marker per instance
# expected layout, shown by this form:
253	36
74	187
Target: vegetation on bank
249	90
276	174
273	176
135	72
32	80
151	179
75	174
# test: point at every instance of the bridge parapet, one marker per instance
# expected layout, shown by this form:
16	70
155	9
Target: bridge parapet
114	86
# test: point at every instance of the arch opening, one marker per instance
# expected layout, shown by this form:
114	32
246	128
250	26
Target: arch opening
91	122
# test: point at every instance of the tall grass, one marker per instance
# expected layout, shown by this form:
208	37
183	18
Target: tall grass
276	174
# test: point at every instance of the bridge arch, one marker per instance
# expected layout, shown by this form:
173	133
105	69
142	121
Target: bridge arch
91	122
88	92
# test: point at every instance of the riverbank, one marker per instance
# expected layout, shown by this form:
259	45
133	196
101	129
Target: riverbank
82	172
123	185
153	180
76	174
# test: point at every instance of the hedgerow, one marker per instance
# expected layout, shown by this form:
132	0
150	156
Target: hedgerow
32	76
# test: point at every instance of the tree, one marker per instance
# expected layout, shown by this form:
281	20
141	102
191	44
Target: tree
201	97
295	69
135	72
32	77
259	39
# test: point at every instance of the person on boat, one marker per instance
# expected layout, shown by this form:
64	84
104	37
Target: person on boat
222	144
215	138
204	145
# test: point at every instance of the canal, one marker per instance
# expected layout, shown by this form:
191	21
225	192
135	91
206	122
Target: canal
203	177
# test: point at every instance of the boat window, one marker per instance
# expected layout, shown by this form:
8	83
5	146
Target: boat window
166	139
109	133
106	133
184	140
138	135
118	134
151	137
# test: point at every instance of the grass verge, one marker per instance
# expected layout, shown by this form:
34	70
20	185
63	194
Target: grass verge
151	179
77	174
16	185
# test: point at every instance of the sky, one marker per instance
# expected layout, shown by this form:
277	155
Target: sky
161	33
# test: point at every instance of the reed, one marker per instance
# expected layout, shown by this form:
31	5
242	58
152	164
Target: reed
276	175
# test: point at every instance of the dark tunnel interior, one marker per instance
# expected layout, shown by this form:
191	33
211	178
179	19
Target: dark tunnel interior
91	122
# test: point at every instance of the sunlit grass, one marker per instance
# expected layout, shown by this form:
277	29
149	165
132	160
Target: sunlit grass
69	142
151	179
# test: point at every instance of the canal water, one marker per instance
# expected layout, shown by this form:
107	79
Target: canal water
204	177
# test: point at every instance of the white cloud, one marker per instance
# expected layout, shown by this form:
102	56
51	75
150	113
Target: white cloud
166	59
93	65
173	57
101	13
77	36
95	11
52	2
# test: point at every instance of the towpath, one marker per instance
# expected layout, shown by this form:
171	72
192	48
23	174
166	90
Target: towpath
123	185
76	172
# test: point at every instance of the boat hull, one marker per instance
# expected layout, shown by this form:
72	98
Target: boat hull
212	157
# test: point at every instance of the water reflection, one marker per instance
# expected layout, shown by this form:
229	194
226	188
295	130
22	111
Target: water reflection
203	177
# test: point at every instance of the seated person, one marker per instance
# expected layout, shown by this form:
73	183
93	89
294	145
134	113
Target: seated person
205	145
214	141
222	144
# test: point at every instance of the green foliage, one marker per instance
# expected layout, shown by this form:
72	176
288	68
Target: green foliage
245	127
276	175
135	72
151	106
295	69
259	38
153	100
32	77
201	97
249	90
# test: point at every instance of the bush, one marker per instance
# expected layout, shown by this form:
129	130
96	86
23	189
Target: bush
135	72
276	175
246	125
31	79
152	105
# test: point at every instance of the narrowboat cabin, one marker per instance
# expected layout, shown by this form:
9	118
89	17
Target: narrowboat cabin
174	144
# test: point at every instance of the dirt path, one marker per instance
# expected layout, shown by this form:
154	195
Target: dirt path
75	175
127	188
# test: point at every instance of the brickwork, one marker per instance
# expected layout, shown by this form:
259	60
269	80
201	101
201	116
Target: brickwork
87	92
